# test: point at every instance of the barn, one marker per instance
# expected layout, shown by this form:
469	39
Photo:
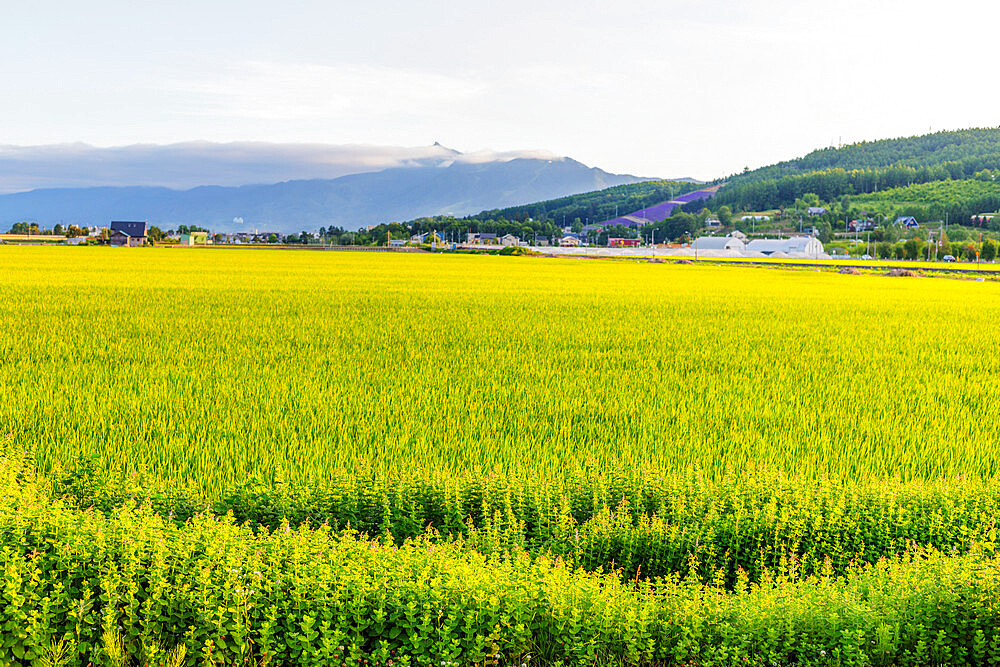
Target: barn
623	243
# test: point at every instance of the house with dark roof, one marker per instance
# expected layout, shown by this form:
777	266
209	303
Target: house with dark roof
129	234
907	221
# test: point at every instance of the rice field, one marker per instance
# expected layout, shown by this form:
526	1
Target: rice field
250	457
214	367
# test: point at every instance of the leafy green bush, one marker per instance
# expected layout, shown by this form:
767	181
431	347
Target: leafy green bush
86	584
646	525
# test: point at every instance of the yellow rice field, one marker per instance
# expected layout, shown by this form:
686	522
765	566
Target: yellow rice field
213	367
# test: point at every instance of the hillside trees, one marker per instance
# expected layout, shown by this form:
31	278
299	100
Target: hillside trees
988	252
725	215
961	153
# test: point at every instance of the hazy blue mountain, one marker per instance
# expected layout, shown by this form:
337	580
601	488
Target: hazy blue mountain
191	164
395	194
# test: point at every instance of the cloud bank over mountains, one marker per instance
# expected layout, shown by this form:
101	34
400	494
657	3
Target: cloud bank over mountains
192	164
277	187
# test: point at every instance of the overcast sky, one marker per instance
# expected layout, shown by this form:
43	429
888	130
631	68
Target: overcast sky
660	88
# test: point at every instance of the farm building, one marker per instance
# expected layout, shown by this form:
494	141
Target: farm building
129	234
194	238
797	246
712	222
815	210
623	243
728	243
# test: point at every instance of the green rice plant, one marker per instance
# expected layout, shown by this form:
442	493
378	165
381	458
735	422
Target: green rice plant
56	654
114	648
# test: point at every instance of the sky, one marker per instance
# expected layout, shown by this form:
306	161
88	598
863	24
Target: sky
667	89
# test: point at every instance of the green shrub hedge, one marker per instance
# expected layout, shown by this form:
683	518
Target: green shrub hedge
645	525
233	595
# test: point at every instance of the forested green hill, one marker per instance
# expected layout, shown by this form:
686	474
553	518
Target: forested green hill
870	167
972	150
595	206
954	201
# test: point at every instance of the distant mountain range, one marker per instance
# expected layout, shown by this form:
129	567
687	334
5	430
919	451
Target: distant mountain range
423	182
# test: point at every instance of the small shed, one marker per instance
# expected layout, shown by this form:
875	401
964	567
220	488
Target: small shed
194	238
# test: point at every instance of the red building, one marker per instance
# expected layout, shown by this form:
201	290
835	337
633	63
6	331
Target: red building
623	243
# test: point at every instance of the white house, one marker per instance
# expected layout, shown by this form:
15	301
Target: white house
815	210
569	242
509	240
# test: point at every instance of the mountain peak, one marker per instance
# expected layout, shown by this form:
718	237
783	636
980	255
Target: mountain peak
452	151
